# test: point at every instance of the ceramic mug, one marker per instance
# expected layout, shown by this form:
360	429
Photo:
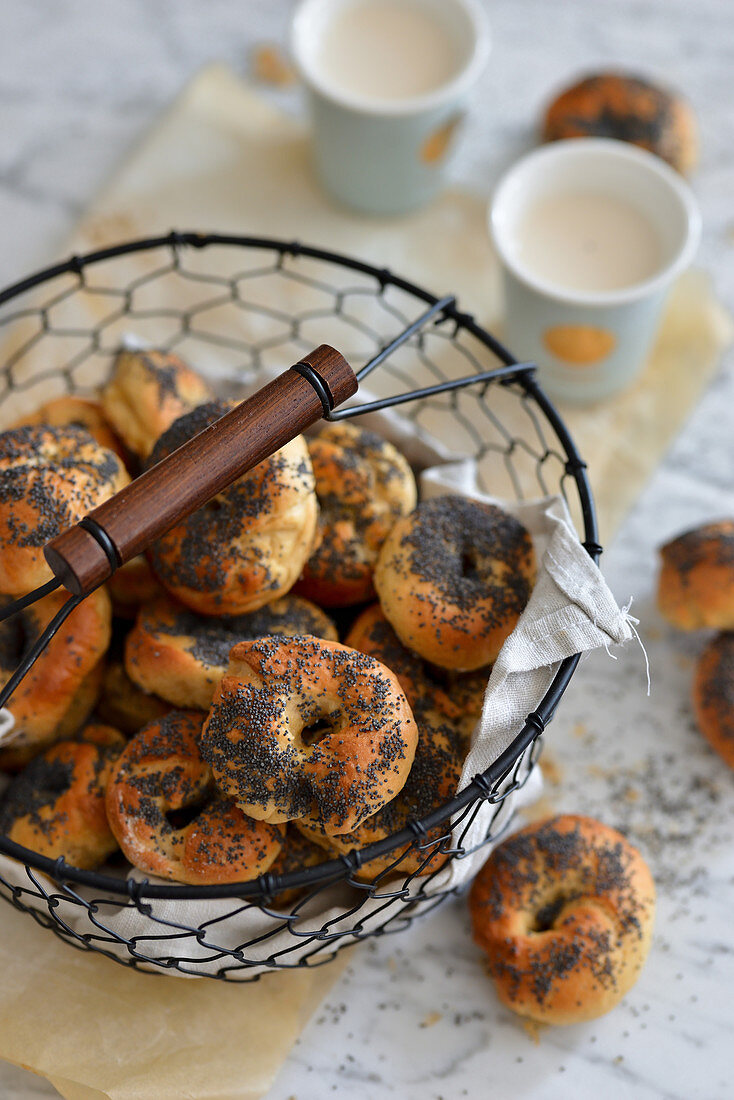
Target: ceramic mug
387	156
589	344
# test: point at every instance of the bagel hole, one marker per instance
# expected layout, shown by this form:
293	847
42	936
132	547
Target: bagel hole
13	643
316	731
184	815
53	779
436	677
546	916
469	565
57	784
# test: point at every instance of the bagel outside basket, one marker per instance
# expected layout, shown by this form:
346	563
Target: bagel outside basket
242	309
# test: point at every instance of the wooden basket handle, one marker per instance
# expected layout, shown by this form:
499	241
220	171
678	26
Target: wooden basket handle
86	555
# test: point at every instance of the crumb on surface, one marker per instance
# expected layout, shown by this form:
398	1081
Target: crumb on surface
551	769
269	65
543	807
431	1019
532	1029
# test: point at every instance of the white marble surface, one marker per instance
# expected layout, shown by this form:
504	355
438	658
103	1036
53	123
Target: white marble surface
414	1015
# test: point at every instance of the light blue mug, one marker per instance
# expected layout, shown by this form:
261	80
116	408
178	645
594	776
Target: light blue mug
590	343
375	152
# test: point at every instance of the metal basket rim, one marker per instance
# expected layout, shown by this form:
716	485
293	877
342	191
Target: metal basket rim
481	786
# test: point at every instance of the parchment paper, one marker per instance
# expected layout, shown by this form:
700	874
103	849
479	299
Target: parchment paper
223	159
96	1029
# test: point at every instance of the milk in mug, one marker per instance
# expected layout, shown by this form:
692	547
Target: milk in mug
587	241
387	50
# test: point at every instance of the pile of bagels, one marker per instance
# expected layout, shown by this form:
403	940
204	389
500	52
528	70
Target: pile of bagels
198	716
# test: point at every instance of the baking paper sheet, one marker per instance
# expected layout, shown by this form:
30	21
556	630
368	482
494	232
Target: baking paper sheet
88	1024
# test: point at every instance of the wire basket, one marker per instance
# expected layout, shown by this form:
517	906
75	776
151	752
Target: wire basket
237	307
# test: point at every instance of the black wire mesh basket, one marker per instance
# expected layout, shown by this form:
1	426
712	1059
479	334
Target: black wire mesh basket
237	308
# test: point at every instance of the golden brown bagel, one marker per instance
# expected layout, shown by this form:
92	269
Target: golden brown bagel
696	585
16	755
564	910
123	704
147	392
170	820
278	697
457	697
182	656
49	479
60	690
363	485
433	780
102	735
80	412
627	108
467	691
297	853
248	545
56	805
453	579
133	585
713	695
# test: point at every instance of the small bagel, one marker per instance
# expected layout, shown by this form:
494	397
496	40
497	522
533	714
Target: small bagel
49	479
371	633
298	853
564	910
102	735
56	805
147	392
79	412
467	691
456	697
696	585
713	695
131	586
433	780
248	545
183	656
453	579
125	705
363	485
279	694
168	817
56	696
16	754
627	108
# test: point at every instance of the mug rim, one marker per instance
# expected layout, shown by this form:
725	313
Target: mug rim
392	108
575	148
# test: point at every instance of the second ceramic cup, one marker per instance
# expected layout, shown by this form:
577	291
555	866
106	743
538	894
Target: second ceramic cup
590	233
388	83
